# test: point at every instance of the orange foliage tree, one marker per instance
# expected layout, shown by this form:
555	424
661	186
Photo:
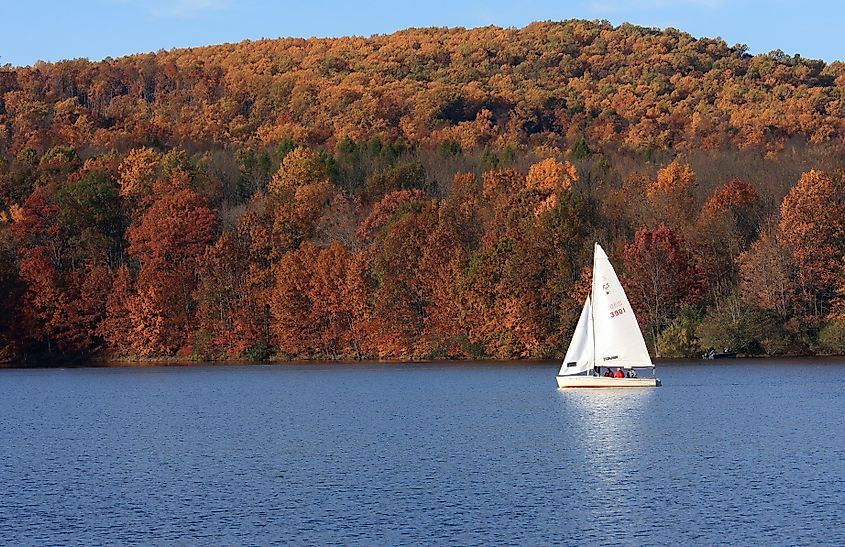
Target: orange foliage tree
671	195
811	229
726	226
312	311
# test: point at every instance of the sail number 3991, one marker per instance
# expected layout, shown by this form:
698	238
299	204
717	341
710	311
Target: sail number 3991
617	312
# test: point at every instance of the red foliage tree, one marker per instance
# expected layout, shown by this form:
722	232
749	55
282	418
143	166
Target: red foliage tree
659	278
117	327
169	242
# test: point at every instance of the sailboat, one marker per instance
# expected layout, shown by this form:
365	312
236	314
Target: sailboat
607	336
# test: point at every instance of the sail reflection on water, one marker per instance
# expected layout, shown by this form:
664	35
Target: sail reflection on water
607	429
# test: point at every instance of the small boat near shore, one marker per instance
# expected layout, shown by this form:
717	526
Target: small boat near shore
713	354
607	336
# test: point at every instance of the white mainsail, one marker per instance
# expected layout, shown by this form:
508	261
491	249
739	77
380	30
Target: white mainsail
618	339
580	356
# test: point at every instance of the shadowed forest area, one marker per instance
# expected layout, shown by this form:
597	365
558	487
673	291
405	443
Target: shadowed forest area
433	193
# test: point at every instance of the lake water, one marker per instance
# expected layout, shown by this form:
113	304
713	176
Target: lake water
730	453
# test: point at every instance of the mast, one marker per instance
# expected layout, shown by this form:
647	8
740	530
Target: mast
593	303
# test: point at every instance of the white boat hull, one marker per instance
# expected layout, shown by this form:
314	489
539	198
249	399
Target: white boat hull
603	381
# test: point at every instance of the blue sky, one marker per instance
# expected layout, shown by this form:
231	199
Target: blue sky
54	30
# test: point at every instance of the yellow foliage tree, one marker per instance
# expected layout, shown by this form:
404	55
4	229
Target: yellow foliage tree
549	178
137	172
300	167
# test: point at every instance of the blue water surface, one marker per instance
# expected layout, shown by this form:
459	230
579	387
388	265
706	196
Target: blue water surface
729	452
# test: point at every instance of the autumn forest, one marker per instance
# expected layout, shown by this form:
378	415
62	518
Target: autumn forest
433	193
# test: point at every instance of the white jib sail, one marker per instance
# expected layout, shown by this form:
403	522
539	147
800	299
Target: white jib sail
579	356
618	339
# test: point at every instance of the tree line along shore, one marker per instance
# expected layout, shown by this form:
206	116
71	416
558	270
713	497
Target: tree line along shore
430	194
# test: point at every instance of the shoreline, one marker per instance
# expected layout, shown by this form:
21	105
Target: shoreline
186	363
175	362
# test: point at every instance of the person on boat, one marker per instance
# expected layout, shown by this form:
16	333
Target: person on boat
608	373
632	373
619	373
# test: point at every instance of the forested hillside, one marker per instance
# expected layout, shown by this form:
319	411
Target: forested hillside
430	193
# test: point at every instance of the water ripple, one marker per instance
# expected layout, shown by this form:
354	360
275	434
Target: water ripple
454	455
